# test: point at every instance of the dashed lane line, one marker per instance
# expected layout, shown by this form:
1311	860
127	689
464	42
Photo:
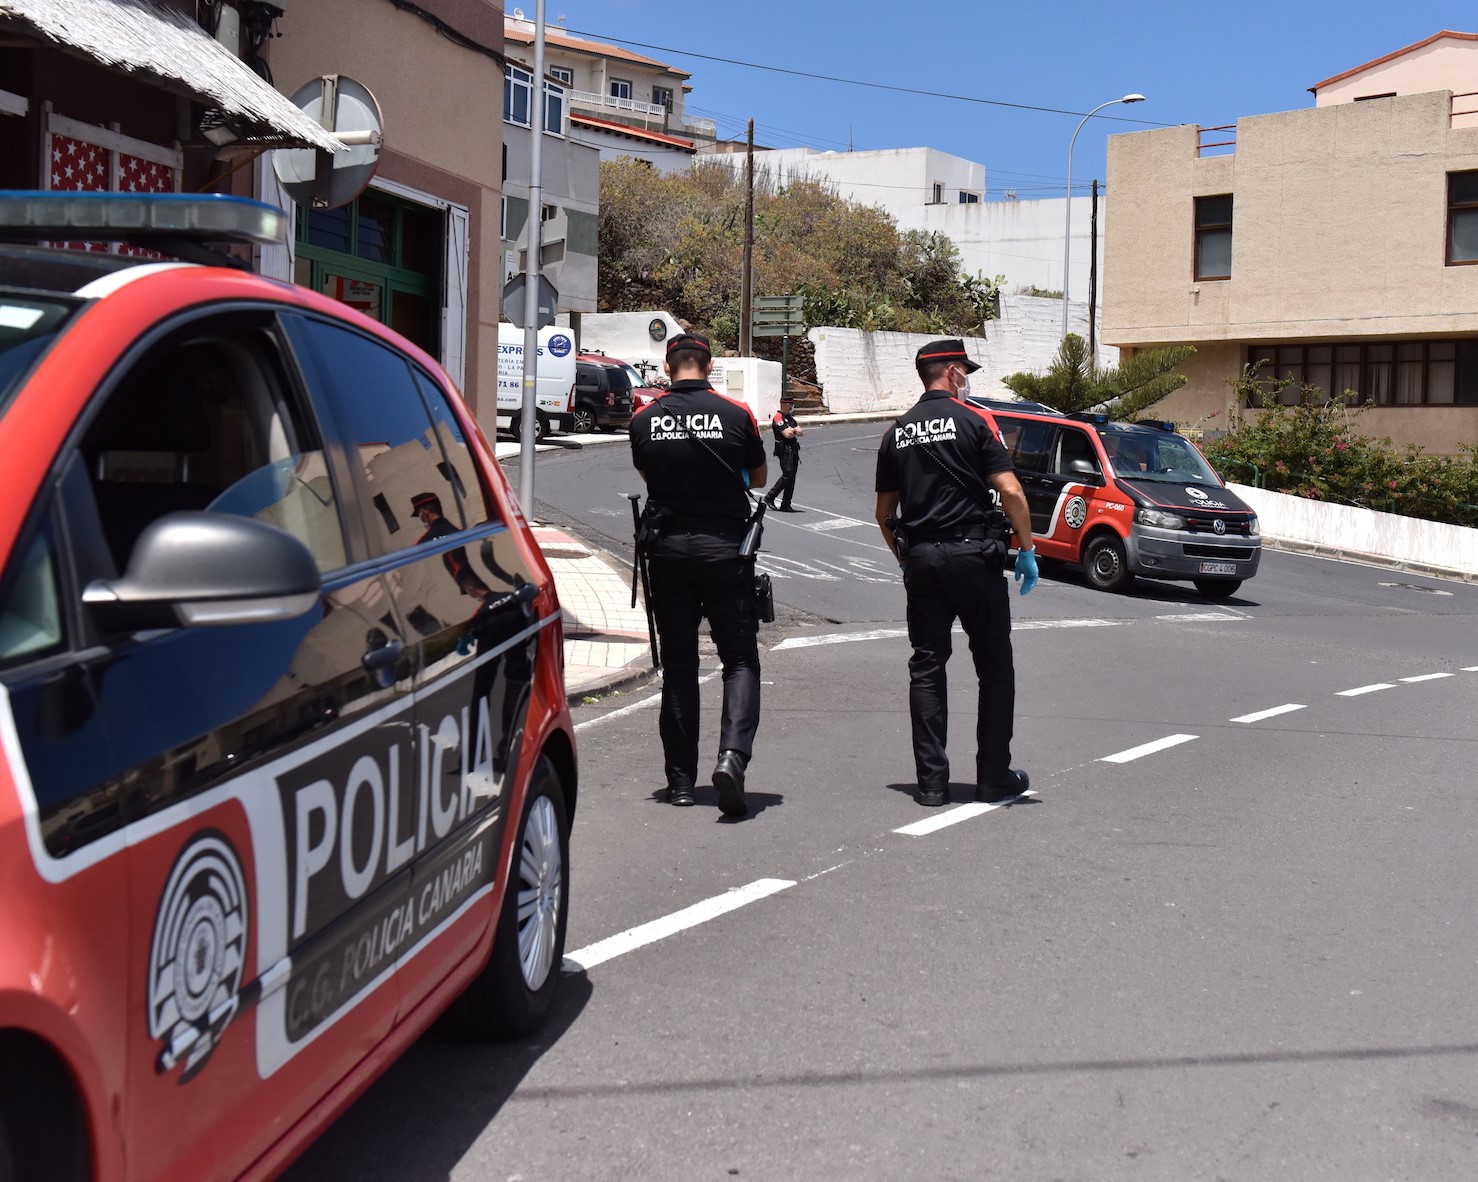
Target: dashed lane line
1272	712
1147	749
1365	689
669	925
954	816
1424	677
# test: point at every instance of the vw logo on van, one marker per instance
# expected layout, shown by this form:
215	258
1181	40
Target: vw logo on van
1218	526
560	345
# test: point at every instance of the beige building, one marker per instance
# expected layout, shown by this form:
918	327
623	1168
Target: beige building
1335	244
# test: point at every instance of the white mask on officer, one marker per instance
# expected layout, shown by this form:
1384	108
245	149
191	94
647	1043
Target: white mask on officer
963	389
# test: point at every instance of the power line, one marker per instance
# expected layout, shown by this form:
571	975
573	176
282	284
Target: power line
963	98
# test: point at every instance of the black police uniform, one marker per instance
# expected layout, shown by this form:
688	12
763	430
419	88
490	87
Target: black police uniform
953	568
788	452
698	506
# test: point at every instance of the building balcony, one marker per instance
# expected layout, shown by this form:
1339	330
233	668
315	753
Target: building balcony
648	116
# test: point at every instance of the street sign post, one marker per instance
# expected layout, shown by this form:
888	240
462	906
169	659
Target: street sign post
515	303
779	316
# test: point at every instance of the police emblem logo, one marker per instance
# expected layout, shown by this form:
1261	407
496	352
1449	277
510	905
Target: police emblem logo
198	954
1196	494
1076	512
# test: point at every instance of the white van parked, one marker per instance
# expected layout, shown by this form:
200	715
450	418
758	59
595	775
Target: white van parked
554	384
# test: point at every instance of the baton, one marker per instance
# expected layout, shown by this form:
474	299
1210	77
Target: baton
634	498
639	568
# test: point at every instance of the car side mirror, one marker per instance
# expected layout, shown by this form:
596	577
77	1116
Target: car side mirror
197	569
1083	468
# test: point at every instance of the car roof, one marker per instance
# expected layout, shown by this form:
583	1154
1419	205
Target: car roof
56	271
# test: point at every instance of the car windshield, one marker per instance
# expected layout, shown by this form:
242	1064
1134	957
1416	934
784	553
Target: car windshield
1157	456
620	380
634	377
28	325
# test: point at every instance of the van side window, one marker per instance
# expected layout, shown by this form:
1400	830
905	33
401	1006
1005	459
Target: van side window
1032	446
1074	445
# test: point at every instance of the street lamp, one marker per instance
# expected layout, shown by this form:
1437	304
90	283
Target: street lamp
1067	233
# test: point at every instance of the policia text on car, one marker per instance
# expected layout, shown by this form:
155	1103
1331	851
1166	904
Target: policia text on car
940	473
700	453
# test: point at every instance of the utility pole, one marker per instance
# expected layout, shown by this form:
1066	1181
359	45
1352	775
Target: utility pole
1093	282
746	277
533	269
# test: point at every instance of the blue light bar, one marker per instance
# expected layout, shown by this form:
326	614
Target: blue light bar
203	219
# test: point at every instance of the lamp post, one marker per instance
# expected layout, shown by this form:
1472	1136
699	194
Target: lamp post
1067	233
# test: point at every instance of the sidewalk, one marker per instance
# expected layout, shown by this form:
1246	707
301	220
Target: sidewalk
605	637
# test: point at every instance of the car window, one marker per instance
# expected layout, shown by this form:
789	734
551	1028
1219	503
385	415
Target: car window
1032	444
587	375
204	421
616	376
410	480
31	616
459	468
27	326
1074	444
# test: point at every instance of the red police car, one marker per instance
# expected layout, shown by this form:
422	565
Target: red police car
286	769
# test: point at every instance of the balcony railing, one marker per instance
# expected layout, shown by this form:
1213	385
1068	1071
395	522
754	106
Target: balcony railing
606	102
1463	110
1216	141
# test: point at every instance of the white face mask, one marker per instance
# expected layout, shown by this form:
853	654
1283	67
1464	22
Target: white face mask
963	389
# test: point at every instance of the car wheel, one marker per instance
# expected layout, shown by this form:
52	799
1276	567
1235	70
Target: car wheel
584	420
1218	588
539	427
516	988
1106	564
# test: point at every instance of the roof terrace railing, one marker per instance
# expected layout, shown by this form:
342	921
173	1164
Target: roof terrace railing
1209	146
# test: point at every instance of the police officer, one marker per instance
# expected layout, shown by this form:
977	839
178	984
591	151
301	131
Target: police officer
788	451
427	506
699	452
936	468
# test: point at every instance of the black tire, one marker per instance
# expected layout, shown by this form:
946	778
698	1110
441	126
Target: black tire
540	427
514	992
584	421
1218	588
1106	564
7	1162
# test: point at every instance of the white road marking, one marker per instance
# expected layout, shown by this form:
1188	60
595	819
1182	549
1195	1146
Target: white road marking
1201	617
831	523
654	700
1147	748
1365	689
839	638
1470	668
1033	625
956	815
1424	677
669	925
1259	715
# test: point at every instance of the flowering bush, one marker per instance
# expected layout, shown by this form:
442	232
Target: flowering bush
1314	449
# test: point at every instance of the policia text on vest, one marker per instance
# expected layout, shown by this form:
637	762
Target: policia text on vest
941	473
699	453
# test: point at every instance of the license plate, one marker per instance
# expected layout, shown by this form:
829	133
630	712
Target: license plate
1218	568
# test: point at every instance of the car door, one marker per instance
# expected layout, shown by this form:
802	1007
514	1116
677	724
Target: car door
247	763
465	595
1072	473
1030	442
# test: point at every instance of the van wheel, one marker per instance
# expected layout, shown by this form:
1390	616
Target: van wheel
539	427
1106	564
1218	588
516	989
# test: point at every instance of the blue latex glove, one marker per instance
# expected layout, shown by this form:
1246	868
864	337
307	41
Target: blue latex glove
1026	570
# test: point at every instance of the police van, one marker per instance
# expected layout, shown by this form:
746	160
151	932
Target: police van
1127	499
554	384
286	766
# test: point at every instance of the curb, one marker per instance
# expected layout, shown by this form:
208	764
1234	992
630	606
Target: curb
622	680
1320	550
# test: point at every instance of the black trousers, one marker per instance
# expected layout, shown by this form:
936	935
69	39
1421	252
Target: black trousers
945	581
698	575
790	462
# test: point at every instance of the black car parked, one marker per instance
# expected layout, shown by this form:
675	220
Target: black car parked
602	393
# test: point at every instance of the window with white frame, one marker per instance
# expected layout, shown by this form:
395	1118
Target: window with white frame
563	73
554	108
620	88
518	95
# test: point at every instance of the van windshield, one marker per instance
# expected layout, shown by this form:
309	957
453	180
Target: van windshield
1157	456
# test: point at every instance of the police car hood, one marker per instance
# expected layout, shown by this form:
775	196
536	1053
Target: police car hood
1184	496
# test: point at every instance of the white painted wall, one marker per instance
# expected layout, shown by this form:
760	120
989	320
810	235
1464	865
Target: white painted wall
1345	531
888	177
626	335
614	146
874	371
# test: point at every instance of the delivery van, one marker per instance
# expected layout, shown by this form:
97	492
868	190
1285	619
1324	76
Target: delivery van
554	386
1129	499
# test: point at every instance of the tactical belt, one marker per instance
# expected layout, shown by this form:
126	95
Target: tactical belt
725	526
973	533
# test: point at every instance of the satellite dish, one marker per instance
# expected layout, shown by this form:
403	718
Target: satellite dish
327	180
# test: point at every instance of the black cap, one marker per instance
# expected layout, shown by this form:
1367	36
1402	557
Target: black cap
688	340
951	349
424	501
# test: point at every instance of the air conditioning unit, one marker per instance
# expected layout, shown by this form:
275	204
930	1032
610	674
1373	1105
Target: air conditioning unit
228	29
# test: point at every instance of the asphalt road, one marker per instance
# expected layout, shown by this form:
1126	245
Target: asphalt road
1231	935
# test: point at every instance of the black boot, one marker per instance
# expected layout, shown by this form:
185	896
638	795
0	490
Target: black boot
728	778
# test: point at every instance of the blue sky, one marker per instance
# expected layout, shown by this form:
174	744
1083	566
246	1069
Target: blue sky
1195	63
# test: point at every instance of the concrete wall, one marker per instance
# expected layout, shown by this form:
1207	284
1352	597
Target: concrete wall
627	335
420	79
1346	532
891	177
874	371
572	186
